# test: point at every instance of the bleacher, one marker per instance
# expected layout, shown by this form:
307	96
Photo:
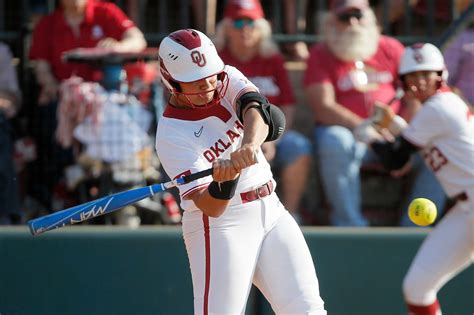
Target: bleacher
158	18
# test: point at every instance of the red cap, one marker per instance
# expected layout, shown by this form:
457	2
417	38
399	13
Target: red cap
241	9
340	6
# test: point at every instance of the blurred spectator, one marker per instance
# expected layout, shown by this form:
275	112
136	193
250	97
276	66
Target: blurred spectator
459	56
297	50
352	69
419	12
243	40
9	104
204	12
74	24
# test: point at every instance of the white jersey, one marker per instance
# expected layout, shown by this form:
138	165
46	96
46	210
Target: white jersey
189	140
444	128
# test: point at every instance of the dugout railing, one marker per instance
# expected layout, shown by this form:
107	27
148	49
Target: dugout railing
156	18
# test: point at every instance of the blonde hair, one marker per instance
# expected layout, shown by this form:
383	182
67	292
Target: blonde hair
267	46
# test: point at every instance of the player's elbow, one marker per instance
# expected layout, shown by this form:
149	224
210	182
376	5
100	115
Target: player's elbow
209	205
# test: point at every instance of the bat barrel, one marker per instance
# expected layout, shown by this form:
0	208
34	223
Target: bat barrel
91	209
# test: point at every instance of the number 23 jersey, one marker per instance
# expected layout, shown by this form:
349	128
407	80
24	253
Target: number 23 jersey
444	128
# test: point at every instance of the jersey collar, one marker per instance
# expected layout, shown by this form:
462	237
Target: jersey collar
194	114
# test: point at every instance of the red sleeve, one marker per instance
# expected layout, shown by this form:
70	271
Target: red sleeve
39	48
317	66
116	22
283	82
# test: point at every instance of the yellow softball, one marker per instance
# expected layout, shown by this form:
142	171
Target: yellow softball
422	211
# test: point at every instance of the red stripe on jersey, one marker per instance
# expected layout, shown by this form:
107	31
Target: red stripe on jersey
432	309
197	113
207	242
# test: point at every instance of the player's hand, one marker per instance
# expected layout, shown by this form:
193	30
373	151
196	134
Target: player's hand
382	115
385	118
404	170
245	156
365	132
223	171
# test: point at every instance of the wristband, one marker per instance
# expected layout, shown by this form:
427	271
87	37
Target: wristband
224	190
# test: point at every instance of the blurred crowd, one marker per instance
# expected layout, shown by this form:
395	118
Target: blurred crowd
87	128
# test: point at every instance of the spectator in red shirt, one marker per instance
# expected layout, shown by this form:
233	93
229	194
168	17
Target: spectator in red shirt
349	72
74	24
78	24
243	39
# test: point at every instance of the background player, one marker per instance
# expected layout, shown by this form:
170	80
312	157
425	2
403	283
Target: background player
444	130
235	229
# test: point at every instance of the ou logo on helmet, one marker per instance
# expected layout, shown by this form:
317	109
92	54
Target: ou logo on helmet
417	55
198	58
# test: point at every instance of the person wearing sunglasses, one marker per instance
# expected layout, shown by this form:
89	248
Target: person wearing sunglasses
351	70
243	39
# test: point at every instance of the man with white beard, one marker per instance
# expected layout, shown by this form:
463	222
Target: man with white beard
351	70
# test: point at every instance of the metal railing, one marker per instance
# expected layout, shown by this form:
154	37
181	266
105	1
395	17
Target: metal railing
156	18
159	17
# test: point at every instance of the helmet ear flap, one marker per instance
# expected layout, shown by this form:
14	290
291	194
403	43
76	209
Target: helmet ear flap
175	85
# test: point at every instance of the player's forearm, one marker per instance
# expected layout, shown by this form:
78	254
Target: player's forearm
255	129
209	205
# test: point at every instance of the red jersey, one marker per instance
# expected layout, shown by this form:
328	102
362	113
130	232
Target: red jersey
53	36
381	73
268	74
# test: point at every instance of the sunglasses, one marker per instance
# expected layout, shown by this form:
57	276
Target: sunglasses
241	23
347	16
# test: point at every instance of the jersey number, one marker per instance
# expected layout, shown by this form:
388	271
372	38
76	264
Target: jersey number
435	159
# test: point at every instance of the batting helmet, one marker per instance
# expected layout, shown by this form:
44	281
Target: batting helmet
188	55
422	57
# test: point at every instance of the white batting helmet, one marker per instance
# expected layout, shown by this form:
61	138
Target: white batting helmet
188	55
422	57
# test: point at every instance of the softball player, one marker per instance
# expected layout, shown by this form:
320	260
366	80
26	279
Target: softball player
444	130
235	229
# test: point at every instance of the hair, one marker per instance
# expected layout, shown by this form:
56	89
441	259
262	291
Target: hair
267	48
355	43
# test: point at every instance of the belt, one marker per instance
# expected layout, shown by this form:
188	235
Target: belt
257	193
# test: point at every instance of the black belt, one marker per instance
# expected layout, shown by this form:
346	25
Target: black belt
258	193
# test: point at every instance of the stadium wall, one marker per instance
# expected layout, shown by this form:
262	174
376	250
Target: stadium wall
109	270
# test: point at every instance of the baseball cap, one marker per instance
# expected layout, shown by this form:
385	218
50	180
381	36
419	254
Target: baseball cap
241	9
341	6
